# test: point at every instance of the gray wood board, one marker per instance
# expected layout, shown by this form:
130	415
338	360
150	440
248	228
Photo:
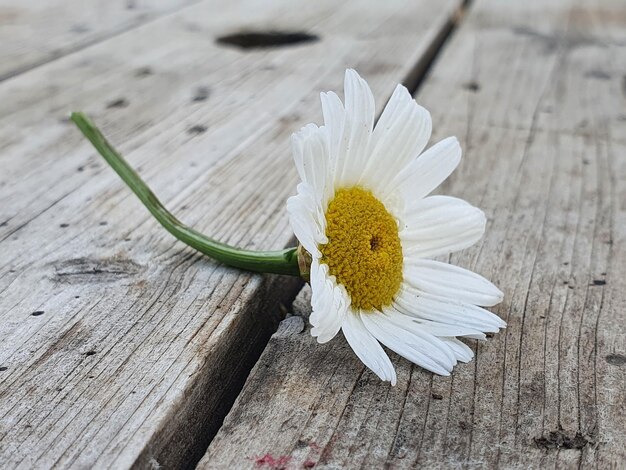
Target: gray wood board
36	32
535	92
142	343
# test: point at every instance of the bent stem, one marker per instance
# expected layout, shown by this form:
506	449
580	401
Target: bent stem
276	262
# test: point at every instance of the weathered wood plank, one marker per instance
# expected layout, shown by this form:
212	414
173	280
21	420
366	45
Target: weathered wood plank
141	343
33	33
535	91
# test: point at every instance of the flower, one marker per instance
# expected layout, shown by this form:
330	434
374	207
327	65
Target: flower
363	213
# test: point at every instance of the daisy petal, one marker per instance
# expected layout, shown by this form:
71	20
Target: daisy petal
461	351
357	129
424	174
400	334
310	148
368	350
400	135
446	311
307	219
334	120
330	303
451	282
439	225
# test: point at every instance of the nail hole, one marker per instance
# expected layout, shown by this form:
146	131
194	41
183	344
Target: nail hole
616	359
118	103
201	94
266	39
143	72
598	282
198	129
64	225
472	86
3	368
37	313
90	353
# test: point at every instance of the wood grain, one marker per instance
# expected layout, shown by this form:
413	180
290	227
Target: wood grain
120	347
535	91
33	33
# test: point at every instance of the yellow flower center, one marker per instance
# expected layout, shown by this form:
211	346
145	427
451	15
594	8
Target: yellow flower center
363	250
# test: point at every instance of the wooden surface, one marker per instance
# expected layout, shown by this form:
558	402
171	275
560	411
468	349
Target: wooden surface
35	32
536	92
119	346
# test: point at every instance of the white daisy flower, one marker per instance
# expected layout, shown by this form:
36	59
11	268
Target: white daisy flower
363	213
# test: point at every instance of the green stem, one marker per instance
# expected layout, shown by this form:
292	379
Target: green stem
277	262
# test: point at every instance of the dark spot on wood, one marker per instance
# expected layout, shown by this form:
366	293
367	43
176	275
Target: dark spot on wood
64	225
570	287
90	353
91	376
566	263
559	439
550	42
472	86
77	296
3	368
597	74
80	29
201	94
585	161
565	282
197	129
104	222
463	425
36	313
266	39
118	103
4	224
602	274
80	169
598	282
82	270
143	72
436	396
616	359
131	4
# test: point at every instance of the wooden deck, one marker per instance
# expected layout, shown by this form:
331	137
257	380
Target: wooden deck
120	347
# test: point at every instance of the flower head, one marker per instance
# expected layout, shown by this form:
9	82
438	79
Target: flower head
363	213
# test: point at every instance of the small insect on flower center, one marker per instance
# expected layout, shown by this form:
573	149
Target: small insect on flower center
363	251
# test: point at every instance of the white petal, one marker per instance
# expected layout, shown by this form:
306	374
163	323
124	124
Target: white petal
424	174
311	153
357	130
439	225
367	348
307	219
446	311
404	336
330	303
450	282
461	351
400	135
334	120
